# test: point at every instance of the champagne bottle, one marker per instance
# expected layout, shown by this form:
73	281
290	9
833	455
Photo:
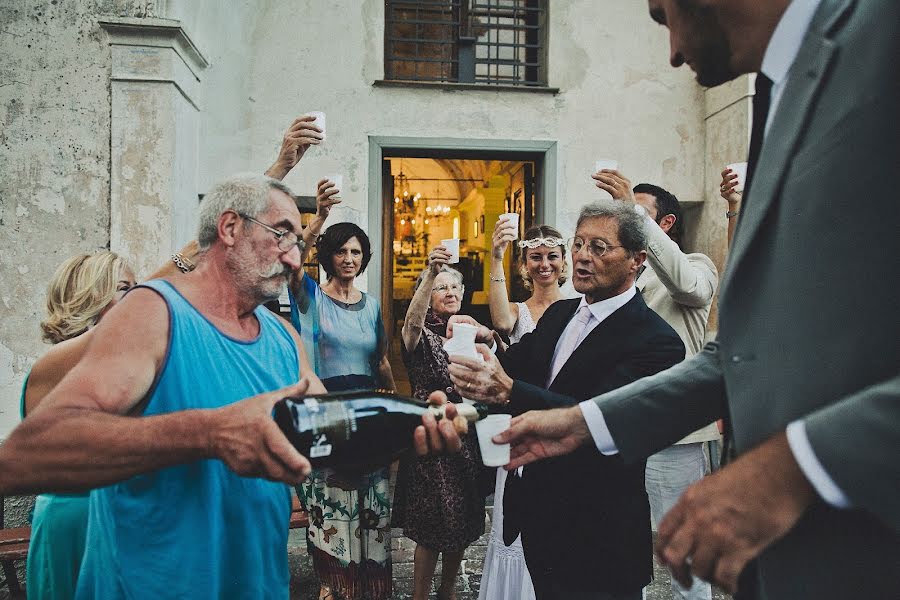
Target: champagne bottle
358	429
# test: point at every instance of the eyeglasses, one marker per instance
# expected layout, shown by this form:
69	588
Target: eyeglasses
453	287
286	240
597	247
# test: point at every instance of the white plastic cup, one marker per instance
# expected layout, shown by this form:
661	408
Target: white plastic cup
464	335
493	455
338	181
741	170
452	246
512	219
606	163
463	344
319	122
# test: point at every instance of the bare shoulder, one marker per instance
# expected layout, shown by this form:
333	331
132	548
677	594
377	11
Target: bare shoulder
49	369
289	326
121	358
295	335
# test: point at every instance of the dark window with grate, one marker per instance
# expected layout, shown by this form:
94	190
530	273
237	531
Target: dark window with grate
501	42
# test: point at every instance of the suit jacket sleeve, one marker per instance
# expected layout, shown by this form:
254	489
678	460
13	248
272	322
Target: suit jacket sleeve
518	359
868	419
657	411
655	354
691	280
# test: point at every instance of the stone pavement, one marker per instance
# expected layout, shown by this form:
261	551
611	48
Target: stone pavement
305	587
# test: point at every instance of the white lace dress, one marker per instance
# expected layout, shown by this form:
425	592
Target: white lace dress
505	576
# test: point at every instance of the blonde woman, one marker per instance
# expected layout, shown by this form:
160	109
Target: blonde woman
543	267
68	328
81	291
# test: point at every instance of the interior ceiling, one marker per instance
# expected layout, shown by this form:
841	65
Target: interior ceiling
453	178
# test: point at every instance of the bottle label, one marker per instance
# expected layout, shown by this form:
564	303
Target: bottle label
332	422
320	448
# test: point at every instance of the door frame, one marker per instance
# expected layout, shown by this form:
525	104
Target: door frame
541	151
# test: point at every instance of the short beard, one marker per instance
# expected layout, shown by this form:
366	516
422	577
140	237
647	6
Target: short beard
713	73
714	66
265	288
259	284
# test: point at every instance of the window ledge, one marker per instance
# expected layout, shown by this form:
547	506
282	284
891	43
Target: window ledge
454	87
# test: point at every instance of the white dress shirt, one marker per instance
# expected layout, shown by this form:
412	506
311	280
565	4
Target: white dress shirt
783	48
777	62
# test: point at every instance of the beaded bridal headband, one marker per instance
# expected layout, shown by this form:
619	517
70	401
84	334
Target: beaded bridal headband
550	242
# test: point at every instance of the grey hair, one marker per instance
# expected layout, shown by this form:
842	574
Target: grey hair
244	193
444	269
632	235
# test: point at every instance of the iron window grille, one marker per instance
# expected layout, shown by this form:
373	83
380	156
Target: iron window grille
498	42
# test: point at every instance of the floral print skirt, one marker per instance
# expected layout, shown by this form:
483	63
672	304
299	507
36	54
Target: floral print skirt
349	536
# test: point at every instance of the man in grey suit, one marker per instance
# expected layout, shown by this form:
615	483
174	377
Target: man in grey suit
806	361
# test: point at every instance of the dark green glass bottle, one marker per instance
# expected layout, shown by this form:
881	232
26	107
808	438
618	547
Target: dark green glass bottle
357	429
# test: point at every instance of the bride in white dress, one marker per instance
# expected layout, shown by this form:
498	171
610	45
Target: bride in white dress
544	269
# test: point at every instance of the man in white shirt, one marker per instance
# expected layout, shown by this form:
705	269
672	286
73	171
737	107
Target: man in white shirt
806	361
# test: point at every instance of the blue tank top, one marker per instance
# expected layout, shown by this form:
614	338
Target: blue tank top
197	530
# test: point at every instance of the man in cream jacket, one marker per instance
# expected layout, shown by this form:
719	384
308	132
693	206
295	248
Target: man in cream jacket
679	287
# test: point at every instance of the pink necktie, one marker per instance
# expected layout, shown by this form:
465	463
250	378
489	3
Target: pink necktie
570	342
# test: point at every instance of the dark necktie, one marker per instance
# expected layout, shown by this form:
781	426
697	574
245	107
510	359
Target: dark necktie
761	101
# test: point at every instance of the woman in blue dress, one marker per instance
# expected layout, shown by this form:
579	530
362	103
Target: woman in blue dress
82	290
349	536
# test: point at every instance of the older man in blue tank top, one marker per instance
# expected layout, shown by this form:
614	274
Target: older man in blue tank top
189	499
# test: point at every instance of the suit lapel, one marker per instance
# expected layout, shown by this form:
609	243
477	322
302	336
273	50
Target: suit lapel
602	345
802	88
551	331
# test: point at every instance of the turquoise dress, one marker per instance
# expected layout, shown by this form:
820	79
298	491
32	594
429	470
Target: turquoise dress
58	533
349	535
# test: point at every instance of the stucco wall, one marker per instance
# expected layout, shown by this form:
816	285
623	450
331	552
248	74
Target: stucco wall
223	31
618	98
727	111
272	60
54	163
54	169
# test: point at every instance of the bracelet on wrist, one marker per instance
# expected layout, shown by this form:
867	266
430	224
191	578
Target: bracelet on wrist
500	279
730	214
184	265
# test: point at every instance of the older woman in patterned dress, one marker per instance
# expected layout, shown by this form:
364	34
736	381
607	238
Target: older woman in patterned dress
437	500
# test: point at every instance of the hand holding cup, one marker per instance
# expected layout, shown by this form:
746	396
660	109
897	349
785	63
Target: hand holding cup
732	186
439	257
504	233
614	183
452	246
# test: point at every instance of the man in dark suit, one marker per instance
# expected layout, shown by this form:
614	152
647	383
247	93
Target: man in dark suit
806	360
584	518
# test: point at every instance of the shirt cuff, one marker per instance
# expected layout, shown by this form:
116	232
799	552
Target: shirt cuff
812	468
593	416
